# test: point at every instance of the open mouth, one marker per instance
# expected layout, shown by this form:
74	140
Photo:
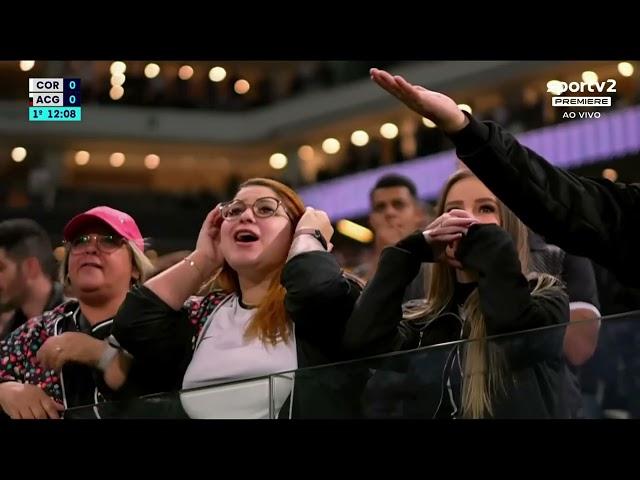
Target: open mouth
245	236
91	264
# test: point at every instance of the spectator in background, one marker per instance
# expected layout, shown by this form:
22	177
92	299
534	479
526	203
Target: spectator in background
603	387
580	339
27	272
577	274
63	359
6	317
395	213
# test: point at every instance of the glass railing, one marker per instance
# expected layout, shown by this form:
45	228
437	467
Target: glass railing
517	375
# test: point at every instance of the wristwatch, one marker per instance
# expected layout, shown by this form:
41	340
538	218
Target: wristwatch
314	232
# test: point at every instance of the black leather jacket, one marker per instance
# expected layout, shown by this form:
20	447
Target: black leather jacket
593	218
536	381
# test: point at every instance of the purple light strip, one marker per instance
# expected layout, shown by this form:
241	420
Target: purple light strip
567	145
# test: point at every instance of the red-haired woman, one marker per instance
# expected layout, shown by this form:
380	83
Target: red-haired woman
283	305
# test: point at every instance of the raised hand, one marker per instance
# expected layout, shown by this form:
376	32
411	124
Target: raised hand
317	220
208	243
438	108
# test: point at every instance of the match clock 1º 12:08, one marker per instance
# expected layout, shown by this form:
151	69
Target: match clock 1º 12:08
55	113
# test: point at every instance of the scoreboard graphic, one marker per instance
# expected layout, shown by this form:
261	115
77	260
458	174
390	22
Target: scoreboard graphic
54	100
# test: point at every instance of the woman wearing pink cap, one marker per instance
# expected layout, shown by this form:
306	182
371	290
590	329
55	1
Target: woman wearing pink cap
283	305
63	358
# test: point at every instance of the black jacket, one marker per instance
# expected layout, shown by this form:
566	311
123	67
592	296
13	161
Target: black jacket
593	218
319	300
536	375
76	386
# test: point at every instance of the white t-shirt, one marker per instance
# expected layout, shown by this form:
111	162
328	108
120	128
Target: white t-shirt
224	355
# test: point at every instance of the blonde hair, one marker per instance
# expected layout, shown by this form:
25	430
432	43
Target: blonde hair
483	365
141	262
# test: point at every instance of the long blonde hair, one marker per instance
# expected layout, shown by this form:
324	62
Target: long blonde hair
483	365
270	322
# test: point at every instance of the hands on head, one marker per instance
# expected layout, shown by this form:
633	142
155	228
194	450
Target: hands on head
317	220
208	243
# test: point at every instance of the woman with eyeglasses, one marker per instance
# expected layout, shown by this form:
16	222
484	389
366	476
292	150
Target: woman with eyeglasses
66	358
283	304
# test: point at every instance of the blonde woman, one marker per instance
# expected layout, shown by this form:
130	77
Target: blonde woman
63	359
479	286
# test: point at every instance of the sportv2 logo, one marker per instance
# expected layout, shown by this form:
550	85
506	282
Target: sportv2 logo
558	88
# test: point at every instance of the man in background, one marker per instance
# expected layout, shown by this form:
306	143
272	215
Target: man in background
27	274
395	213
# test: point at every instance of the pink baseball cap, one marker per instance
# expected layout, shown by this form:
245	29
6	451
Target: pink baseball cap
119	221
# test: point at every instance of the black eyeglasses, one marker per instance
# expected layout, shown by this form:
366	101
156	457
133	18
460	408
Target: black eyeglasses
105	243
264	207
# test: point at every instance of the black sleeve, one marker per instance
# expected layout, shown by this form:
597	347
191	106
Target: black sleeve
158	337
614	297
142	379
593	218
320	298
580	279
375	325
505	297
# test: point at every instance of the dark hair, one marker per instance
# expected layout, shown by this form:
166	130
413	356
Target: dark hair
391	180
23	238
